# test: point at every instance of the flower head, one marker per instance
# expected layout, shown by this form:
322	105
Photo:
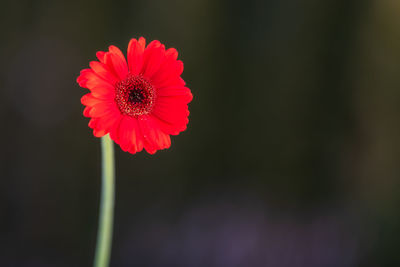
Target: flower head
141	101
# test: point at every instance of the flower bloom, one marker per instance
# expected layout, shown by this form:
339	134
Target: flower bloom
139	102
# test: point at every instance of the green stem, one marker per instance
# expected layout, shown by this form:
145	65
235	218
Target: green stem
104	234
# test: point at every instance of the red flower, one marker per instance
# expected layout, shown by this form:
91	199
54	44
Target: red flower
140	102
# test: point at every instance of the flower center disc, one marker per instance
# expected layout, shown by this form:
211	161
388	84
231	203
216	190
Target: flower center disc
135	96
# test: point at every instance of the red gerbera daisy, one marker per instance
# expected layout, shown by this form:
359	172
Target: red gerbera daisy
140	103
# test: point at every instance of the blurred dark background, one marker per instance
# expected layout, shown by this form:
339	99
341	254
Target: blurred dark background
291	157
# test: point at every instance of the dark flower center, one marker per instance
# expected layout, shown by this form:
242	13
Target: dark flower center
135	96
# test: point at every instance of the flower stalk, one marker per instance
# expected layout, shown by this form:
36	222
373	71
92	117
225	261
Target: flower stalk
105	227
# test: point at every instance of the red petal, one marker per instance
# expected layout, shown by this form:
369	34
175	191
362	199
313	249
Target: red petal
153	56
114	130
118	62
99	132
89	100
82	79
171	53
92	123
107	122
129	135
103	93
154	138
175	114
100	55
135	55
168	74
169	70
103	109
86	112
169	128
89	79
103	71
137	140
96	132
181	92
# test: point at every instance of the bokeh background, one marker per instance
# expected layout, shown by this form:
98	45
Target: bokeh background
291	157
